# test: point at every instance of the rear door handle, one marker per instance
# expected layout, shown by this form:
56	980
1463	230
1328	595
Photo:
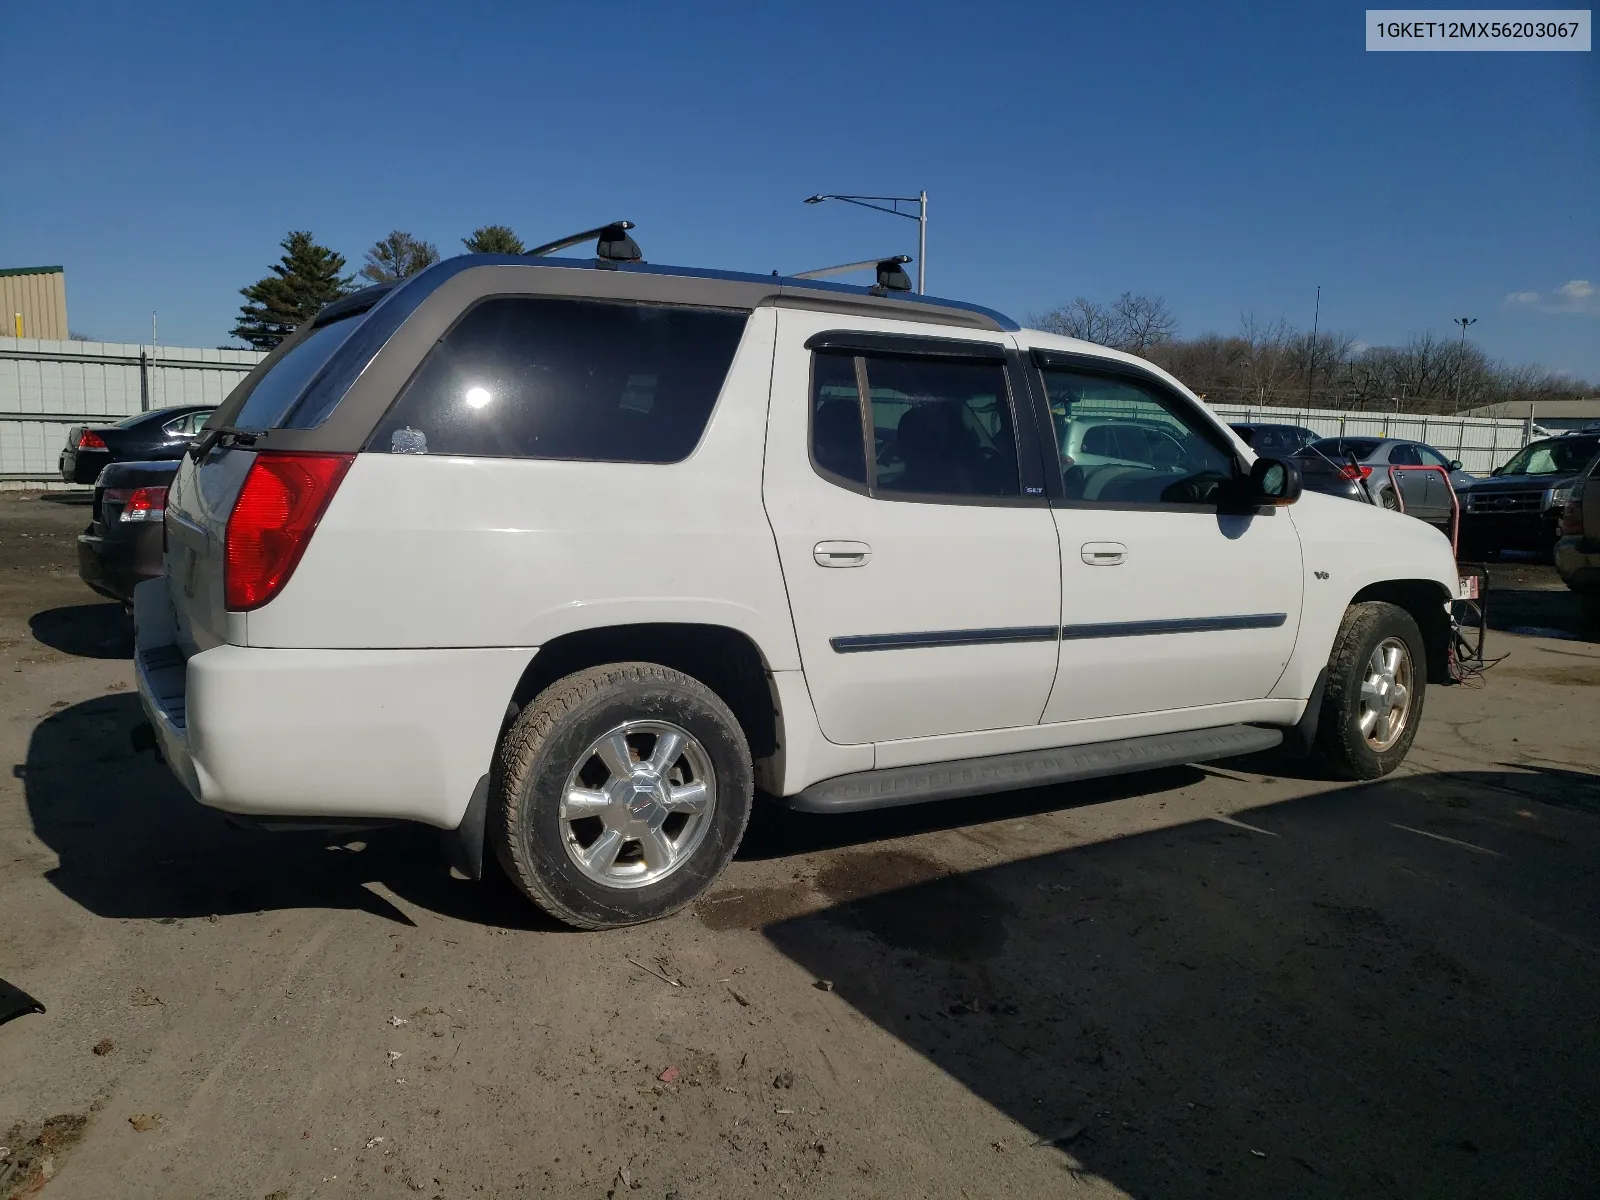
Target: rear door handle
842	554
1104	554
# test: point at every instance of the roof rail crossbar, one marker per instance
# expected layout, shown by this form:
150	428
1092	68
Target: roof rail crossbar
612	243
891	272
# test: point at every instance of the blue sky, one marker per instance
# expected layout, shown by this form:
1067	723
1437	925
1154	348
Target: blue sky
1229	157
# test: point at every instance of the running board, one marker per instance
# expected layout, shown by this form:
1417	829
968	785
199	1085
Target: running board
1034	768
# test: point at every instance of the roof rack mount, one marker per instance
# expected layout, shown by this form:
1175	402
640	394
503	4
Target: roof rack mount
612	243
891	272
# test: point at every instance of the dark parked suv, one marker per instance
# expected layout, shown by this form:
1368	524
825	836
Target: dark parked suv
1519	507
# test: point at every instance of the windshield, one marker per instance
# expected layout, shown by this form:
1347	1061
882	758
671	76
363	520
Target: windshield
264	406
1558	456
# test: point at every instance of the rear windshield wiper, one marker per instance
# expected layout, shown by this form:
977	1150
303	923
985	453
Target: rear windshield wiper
225	435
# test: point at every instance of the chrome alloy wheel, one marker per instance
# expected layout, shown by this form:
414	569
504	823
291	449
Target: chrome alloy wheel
1386	694
638	804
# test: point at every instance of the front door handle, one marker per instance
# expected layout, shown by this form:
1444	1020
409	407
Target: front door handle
842	554
1105	554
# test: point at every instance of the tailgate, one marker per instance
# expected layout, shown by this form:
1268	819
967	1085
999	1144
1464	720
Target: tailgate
198	507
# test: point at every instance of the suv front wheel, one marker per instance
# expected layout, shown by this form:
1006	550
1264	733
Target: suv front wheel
1373	700
621	792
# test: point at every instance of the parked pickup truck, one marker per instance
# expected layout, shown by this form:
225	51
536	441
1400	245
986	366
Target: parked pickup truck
565	557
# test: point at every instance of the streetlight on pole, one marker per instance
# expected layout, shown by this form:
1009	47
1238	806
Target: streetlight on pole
920	217
1461	359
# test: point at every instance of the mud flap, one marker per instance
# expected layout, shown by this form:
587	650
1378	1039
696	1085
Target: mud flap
463	845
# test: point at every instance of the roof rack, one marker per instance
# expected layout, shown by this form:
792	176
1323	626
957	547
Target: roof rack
891	272
612	243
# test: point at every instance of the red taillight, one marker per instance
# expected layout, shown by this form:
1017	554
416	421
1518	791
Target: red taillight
144	504
283	498
1572	516
1351	472
88	439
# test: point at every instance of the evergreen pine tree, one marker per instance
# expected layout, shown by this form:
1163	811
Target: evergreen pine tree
302	281
493	239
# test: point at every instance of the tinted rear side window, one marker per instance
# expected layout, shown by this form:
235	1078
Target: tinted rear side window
538	377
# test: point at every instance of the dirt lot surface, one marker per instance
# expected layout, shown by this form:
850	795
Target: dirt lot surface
1222	981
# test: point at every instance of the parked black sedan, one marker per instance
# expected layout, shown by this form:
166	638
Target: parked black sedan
123	545
143	438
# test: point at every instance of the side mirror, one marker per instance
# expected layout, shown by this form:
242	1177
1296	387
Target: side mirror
1274	481
1497	470
1455	464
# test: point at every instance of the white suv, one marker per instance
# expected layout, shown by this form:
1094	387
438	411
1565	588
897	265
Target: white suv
566	557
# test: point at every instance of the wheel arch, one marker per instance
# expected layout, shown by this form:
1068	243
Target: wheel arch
1426	602
725	659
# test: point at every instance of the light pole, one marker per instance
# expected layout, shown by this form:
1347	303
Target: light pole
1461	359
920	217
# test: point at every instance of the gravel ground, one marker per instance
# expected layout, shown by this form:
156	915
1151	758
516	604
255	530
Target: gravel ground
1222	981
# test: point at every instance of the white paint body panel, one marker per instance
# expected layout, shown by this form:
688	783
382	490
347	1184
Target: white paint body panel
430	550
1179	565
385	734
1357	546
933	567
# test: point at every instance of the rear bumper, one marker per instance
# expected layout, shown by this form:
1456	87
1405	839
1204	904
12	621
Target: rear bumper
114	563
78	466
353	734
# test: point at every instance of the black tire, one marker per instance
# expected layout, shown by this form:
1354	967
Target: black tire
1341	749
1387	499
542	748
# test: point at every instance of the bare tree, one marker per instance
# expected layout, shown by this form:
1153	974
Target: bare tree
1135	323
1271	362
398	256
1140	323
1082	319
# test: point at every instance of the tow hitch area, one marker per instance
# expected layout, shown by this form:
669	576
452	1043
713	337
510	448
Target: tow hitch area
1469	623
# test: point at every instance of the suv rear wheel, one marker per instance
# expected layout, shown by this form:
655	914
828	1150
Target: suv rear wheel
621	792
1373	701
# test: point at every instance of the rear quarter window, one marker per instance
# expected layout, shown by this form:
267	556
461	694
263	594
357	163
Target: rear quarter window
542	377
268	401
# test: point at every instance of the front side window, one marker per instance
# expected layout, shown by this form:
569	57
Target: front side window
938	427
1432	458
543	377
1122	441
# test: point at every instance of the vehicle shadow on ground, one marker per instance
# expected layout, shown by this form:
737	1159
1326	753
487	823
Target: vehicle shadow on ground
85	630
132	843
1339	1001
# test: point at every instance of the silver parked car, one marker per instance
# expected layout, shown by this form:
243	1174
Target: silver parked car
1364	462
